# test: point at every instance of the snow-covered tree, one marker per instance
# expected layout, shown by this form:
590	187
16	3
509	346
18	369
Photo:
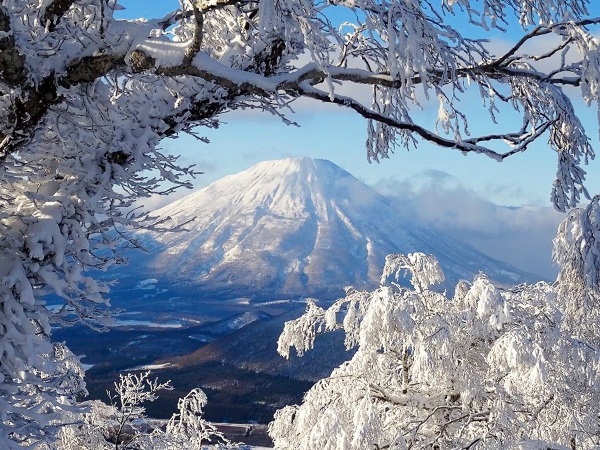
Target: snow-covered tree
85	100
486	369
123	423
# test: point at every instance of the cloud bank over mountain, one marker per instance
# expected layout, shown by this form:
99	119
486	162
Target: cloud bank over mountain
521	236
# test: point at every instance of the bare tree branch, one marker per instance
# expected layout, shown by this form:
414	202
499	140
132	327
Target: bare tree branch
470	146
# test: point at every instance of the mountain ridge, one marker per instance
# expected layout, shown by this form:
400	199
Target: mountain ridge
299	227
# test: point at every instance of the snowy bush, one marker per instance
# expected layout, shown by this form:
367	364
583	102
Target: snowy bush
488	368
123	424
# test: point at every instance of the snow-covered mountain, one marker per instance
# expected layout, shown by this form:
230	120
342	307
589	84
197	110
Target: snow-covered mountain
298	227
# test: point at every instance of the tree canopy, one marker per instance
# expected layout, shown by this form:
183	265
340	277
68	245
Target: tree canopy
85	100
488	368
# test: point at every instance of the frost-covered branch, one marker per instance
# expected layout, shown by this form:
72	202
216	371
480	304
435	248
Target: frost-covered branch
465	59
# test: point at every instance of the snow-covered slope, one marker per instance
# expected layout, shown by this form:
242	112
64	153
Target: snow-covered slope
298	227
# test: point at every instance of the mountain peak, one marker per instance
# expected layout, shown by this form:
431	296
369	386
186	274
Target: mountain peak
295	163
285	187
298	227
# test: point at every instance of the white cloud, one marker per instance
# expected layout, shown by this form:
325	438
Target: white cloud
521	236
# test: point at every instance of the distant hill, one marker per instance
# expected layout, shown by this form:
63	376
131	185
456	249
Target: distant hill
254	348
297	227
239	368
242	373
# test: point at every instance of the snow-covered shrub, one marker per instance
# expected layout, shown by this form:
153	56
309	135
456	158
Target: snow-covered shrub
489	368
123	424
